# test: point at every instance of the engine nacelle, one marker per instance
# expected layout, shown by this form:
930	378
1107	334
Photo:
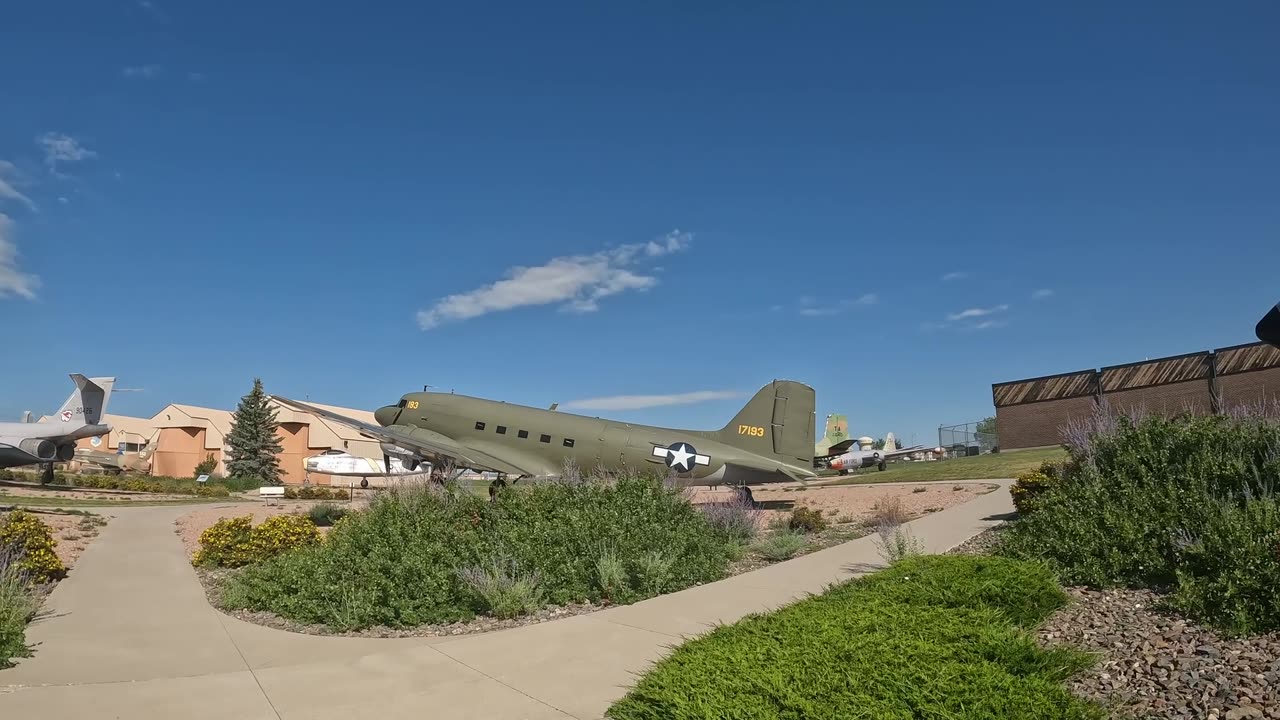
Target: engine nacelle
66	453
40	448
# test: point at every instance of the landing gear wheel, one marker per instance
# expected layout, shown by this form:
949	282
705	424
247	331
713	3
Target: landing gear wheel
495	486
744	493
46	474
882	466
364	483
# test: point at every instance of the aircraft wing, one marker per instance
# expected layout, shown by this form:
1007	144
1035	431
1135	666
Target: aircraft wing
426	442
903	451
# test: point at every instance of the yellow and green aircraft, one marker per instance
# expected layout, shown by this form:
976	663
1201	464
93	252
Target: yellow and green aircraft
770	440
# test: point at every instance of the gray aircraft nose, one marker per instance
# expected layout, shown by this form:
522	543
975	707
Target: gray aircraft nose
386	415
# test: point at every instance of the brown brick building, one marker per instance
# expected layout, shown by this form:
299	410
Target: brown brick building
1031	413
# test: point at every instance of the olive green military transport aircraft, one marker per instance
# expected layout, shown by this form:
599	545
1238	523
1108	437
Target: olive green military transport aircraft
770	440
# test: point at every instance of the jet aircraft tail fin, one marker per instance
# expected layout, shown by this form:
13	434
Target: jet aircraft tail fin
88	402
890	443
778	422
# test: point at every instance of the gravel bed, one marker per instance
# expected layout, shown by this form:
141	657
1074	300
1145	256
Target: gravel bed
1154	663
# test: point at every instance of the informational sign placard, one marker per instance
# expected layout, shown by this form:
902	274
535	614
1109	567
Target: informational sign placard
202	478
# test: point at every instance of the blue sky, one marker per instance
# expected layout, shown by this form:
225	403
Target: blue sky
560	202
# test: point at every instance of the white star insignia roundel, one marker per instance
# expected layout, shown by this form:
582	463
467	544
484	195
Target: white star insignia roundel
680	456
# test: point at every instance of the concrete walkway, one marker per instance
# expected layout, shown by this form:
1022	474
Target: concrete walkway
129	634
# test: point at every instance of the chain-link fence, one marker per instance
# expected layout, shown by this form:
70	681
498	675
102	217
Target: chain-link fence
966	439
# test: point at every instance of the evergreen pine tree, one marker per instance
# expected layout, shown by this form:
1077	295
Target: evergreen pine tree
252	445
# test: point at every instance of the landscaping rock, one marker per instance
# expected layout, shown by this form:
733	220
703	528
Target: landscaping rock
1155	664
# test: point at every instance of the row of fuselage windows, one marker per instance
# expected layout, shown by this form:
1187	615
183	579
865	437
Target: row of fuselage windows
502	430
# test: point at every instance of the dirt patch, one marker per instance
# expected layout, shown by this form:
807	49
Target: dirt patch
73	532
849	504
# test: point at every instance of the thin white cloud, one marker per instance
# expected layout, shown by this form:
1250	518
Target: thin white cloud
1041	294
820	312
61	148
808	308
988	324
639	402
9	177
976	312
958	275
62	199
12	280
576	282
195	76
145	72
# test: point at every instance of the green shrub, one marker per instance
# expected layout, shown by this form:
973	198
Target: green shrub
503	591
326	514
281	533
611	576
781	545
806	520
213	491
1031	485
397	563
1185	504
897	543
932	637
18	604
226	543
206	466
653	572
23	533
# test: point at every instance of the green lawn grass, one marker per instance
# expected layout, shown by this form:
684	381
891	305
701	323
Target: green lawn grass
931	637
58	502
980	467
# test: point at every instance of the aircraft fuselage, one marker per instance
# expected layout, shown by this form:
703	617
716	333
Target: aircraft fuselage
550	439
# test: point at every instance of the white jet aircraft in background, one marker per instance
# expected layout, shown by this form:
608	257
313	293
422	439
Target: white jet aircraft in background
857	459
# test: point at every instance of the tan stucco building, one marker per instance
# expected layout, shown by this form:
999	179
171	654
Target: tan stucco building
179	437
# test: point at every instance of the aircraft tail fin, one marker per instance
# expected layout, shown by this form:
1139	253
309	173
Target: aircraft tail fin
88	402
890	443
27	418
778	422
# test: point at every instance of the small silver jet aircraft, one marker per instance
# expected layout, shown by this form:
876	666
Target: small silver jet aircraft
857	459
30	443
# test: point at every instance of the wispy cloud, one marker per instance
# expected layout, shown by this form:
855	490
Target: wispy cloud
195	76
60	148
988	324
810	309
638	402
1041	294
12	280
958	275
576	282
976	312
152	9
9	179
142	71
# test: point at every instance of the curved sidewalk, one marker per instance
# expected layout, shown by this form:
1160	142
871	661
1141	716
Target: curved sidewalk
129	634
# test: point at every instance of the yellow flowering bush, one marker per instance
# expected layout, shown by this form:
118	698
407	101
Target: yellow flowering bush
33	538
282	533
226	543
235	542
